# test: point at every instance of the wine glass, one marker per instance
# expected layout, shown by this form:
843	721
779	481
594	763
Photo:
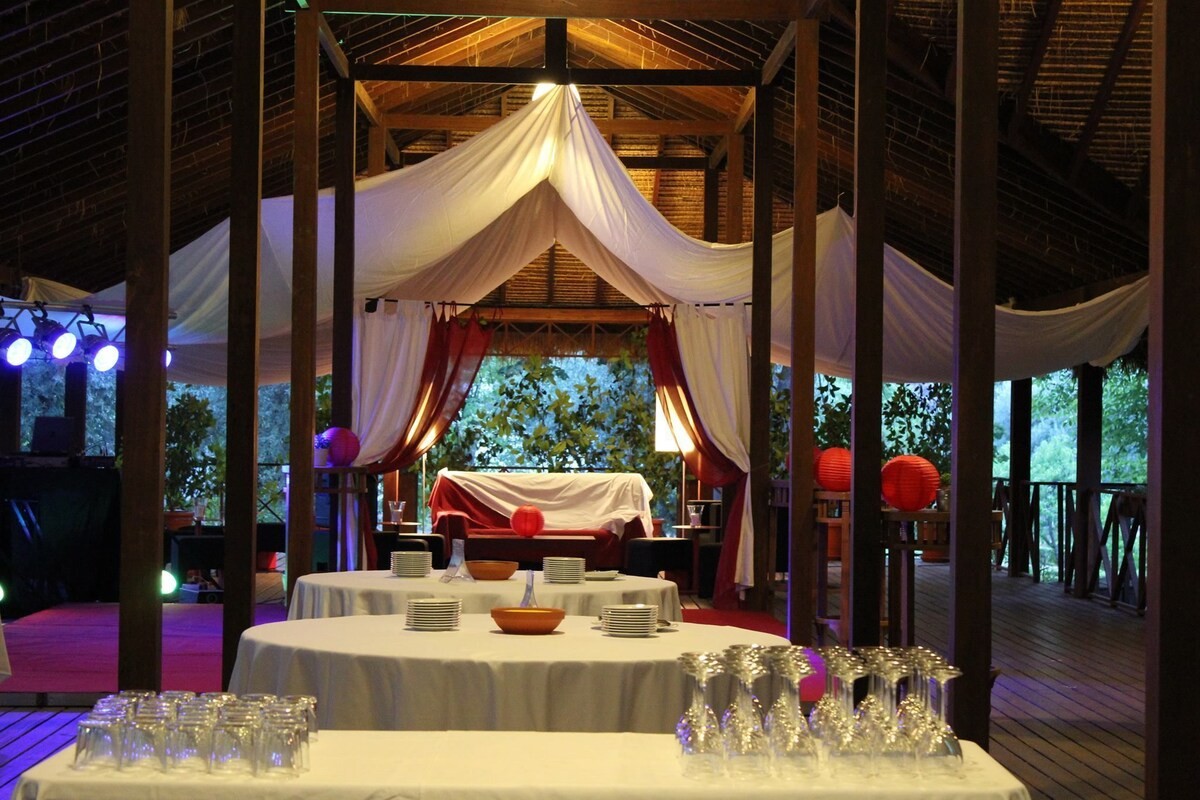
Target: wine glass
742	731
697	731
793	749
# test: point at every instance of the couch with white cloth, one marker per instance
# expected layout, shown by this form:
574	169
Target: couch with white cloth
611	507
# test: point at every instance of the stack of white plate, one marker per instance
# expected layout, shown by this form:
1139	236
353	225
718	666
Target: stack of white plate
562	569
629	619
411	563
433	613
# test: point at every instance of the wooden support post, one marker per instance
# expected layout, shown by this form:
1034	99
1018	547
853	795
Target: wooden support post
241	422
802	550
712	205
1089	430
75	400
760	347
974	367
1020	452
376	149
139	649
10	409
304	302
341	412
862	620
735	175
1173	614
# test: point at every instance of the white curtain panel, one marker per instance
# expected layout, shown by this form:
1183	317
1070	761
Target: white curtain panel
713	349
455	226
389	354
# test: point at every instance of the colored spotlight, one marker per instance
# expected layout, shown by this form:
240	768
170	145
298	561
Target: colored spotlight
101	352
54	339
15	347
169	583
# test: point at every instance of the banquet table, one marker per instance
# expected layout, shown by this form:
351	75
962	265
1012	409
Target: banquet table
372	672
464	765
342	594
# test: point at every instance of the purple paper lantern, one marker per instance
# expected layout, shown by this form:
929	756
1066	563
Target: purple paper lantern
343	446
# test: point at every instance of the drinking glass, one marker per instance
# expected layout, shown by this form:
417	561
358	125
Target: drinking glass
693	513
235	737
698	731
282	746
98	740
310	711
938	745
189	743
741	725
395	510
793	749
143	743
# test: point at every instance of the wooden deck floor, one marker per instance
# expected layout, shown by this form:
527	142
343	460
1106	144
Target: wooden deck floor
1067	709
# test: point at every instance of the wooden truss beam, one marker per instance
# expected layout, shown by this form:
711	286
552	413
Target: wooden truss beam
608	127
1021	98
593	9
1104	93
775	61
533	75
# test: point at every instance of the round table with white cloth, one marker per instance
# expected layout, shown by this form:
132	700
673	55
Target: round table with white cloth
343	594
373	673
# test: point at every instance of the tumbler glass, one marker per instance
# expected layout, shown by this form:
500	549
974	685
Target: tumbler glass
189	743
144	743
395	510
283	742
235	738
310	711
98	741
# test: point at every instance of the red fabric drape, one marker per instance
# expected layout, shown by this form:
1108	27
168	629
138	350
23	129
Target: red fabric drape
456	348
705	459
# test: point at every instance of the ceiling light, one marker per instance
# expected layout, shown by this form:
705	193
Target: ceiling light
15	348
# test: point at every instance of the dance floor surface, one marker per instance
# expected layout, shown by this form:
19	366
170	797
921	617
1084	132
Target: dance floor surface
72	648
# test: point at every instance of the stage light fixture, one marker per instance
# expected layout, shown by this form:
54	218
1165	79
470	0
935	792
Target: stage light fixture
169	583
167	358
15	347
53	338
100	351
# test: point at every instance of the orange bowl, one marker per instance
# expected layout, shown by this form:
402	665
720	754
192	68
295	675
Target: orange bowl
492	570
528	620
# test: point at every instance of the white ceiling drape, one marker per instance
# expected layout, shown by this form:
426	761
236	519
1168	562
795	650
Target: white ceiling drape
457	225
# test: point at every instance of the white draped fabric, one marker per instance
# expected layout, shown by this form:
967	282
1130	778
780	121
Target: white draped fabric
457	225
715	358
389	354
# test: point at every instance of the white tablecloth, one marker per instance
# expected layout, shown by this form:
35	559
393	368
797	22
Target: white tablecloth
371	672
342	594
465	765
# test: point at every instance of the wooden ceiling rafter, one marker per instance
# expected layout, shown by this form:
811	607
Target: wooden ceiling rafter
1104	93
774	63
593	9
1034	66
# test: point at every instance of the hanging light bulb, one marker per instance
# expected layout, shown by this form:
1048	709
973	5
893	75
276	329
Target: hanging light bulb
15	348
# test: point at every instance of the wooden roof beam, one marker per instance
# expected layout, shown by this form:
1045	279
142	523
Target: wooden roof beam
534	75
771	67
925	63
341	65
594	9
618	127
1021	98
1104	93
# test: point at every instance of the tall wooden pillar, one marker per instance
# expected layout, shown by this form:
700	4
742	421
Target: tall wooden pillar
75	400
241	426
148	204
862	619
1089	432
10	409
802	556
735	165
1173	612
974	367
304	302
1020	452
712	205
760	345
341	411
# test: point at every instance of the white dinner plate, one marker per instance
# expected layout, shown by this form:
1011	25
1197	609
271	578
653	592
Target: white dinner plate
602	575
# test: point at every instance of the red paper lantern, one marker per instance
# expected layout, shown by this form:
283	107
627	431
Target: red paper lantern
833	470
910	483
527	521
816	460
343	446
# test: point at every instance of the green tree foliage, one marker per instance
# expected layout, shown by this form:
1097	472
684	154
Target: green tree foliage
194	463
562	414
